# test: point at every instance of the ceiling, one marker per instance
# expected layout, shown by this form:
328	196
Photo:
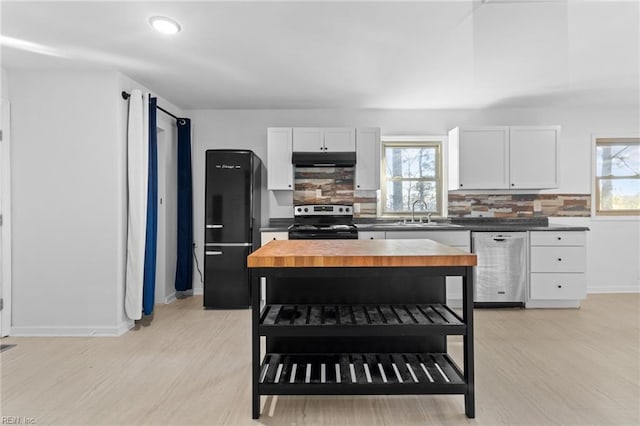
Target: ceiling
354	54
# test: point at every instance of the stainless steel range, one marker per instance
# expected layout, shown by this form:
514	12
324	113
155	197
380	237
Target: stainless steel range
323	222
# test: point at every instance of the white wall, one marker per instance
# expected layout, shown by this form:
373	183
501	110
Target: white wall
4	84
608	272
69	201
65	203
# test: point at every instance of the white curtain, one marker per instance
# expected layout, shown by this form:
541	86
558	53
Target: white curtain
137	176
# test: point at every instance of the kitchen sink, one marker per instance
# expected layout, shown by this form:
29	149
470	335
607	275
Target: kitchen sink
425	224
407	225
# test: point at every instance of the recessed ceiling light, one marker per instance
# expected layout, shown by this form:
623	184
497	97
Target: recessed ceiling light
164	25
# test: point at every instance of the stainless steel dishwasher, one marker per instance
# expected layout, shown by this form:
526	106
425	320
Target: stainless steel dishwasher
500	278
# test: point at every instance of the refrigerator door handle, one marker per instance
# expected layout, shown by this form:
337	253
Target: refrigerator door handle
213	253
214	226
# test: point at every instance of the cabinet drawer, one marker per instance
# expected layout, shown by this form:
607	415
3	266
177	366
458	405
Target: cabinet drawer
558	286
558	259
450	238
571	238
371	235
265	237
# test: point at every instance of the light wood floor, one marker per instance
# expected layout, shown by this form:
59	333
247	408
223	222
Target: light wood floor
191	366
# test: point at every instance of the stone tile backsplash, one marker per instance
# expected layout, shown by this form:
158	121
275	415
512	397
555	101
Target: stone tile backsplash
368	201
334	185
519	205
323	185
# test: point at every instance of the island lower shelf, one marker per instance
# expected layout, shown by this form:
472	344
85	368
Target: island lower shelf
360	374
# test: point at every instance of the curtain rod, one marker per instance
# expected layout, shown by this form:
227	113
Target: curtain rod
126	96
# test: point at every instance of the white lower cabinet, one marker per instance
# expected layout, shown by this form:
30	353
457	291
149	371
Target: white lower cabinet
450	238
558	269
558	259
557	286
458	239
265	237
371	235
557	263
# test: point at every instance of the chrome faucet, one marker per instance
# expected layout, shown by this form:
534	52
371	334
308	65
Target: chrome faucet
413	209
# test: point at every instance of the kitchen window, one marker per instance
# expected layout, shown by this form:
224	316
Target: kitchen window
412	170
617	176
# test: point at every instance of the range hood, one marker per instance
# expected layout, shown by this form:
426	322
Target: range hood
324	159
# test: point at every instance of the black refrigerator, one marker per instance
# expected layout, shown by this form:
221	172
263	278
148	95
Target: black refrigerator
232	226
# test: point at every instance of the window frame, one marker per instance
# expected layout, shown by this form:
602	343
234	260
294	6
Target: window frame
598	141
439	142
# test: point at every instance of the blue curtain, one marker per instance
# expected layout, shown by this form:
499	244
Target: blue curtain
184	267
149	282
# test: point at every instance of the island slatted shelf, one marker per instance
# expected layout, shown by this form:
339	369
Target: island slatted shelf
359	317
358	320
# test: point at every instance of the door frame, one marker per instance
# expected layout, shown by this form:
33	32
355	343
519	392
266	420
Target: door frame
167	196
5	203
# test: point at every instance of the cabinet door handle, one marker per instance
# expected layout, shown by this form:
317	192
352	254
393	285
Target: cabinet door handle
513	184
559	259
559	285
559	238
213	253
460	185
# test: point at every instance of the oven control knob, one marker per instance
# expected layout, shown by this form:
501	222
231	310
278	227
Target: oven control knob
306	209
299	209
340	210
347	210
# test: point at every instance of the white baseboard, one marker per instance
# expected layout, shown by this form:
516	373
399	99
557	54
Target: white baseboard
614	289
552	304
170	298
454	302
101	331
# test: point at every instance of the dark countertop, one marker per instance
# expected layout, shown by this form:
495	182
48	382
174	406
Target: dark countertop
475	224
474	228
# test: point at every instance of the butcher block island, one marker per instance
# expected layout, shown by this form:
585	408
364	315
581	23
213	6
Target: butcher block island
367	317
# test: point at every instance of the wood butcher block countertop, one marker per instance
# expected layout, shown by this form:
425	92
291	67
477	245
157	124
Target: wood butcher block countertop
357	253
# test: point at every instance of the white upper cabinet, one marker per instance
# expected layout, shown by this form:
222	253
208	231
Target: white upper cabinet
503	157
279	150
315	139
533	154
308	139
483	155
338	139
367	159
